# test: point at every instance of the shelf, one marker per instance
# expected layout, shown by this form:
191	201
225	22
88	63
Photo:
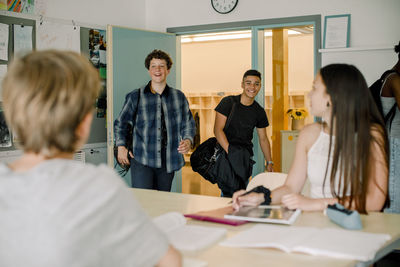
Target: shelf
355	49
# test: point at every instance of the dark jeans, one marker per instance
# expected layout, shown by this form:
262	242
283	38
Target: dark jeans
230	194
150	178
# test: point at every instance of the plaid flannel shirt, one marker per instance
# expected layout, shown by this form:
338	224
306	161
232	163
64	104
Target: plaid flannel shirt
147	133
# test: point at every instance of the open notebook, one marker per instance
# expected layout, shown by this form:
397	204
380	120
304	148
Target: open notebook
330	242
187	237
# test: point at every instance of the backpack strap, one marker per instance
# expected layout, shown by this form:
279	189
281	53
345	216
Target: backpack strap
384	77
137	105
228	121
392	112
135	112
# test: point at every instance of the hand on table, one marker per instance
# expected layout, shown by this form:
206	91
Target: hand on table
297	201
252	199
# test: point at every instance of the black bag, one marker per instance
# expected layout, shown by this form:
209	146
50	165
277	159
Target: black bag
203	159
129	141
375	90
124	168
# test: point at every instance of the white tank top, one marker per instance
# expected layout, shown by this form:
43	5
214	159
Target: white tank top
317	158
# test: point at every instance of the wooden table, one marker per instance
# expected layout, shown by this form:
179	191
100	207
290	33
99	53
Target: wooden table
156	203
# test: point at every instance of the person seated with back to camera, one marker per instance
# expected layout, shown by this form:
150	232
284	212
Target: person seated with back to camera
56	211
345	157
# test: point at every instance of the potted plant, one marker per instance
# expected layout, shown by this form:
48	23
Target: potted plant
297	115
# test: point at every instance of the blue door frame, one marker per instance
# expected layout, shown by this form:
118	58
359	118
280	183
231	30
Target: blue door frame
257	54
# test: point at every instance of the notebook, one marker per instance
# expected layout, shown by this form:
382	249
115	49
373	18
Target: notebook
330	242
216	216
187	237
266	214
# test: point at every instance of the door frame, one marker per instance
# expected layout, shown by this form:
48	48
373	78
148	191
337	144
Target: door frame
256	53
119	80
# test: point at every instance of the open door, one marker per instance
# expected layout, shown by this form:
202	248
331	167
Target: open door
127	50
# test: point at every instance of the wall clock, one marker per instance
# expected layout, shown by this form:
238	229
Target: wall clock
224	6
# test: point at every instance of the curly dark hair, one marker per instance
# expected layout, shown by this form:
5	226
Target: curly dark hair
158	54
397	49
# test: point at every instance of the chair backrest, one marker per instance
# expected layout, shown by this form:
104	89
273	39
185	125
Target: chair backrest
270	180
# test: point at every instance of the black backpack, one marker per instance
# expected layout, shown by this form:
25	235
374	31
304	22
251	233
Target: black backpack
375	90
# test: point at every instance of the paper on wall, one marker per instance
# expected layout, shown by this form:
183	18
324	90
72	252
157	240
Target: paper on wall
51	35
3	71
3	41
22	38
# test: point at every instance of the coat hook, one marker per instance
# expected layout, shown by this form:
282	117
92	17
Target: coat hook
73	24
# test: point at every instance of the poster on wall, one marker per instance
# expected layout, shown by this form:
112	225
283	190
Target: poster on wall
22	38
98	57
97	48
51	35
21	6
337	31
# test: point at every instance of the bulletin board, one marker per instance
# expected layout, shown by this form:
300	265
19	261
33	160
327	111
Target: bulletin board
98	129
98	132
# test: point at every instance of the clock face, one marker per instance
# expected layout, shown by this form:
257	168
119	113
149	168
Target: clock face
224	6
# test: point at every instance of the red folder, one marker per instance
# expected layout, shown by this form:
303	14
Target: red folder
216	216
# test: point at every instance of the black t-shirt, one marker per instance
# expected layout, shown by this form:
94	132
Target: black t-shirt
244	119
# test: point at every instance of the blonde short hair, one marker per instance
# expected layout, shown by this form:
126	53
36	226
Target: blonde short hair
46	95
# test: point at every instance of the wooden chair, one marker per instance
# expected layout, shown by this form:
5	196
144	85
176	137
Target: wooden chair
272	180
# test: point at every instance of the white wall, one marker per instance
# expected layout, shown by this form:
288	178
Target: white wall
129	13
373	23
230	59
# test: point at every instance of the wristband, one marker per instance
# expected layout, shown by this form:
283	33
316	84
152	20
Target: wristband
265	191
270	162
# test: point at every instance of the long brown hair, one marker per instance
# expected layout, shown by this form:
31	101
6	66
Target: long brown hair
354	115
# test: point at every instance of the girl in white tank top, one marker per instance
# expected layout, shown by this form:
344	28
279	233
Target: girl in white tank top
317	160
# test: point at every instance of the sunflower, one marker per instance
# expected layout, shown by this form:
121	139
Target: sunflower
297	113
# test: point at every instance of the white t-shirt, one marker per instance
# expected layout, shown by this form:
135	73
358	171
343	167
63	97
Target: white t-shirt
65	213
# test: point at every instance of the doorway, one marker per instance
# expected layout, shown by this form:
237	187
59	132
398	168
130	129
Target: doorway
212	65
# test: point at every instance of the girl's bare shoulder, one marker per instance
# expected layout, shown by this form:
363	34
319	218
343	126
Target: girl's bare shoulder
309	134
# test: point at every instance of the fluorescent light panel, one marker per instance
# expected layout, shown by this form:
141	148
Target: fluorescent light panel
204	37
